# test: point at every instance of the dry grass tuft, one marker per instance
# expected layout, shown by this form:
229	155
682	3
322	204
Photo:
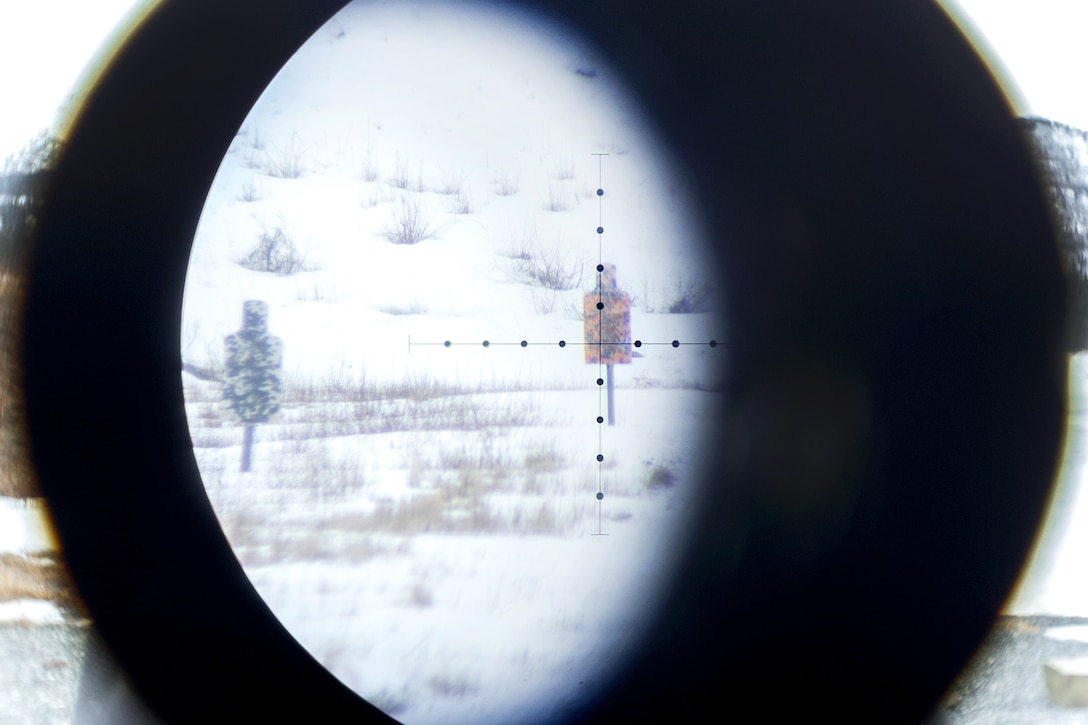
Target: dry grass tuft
43	578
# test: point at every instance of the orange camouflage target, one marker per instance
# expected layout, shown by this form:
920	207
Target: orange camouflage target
607	320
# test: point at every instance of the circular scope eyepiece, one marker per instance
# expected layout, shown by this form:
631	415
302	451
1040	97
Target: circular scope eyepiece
880	452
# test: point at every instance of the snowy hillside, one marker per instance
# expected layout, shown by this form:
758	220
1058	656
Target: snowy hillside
449	528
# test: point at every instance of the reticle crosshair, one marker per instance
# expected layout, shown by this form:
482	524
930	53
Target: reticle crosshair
607	339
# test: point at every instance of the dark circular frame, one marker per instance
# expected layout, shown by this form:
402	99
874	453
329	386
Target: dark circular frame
890	276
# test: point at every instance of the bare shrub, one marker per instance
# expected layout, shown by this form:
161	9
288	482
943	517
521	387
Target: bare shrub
318	291
545	459
415	307
370	170
574	311
533	264
544	300
452	685
275	252
391	703
543	521
410	223
254	146
287	161
420	595
566	168
508	184
452	184
660	477
250	192
256	141
259	540
461	203
378	195
402	178
690	296
558	200
587	192
483	457
409	514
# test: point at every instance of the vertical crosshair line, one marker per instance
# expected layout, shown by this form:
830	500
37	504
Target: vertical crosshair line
600	340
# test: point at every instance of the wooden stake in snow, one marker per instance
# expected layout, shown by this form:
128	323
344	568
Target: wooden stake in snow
608	328
253	385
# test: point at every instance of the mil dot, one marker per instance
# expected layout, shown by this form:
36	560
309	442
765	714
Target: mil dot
562	343
600	305
600	495
638	343
487	344
713	343
600	230
600	381
600	419
525	343
676	343
600	192
600	457
600	267
447	343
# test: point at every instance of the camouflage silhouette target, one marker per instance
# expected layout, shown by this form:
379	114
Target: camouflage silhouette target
607	321
253	385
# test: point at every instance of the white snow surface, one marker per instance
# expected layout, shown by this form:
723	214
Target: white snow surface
25	527
30	612
1071	633
1054	582
424	519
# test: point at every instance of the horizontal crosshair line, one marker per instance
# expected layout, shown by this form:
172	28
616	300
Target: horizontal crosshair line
564	343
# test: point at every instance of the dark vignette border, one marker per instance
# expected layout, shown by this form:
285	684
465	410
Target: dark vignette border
882	241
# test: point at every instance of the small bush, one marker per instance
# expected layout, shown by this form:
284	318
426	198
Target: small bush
275	252
378	195
256	142
544	300
252	147
410	223
420	596
402	179
545	459
415	307
250	192
287	161
566	168
508	184
318	291
558	200
451	685
532	264
689	297
660	477
370	170
391	703
461	203
453	184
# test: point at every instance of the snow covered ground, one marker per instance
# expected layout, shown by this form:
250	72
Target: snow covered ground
27	531
1054	582
424	518
25	527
